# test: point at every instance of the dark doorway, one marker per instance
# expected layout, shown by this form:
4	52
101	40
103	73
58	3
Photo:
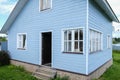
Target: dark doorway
46	48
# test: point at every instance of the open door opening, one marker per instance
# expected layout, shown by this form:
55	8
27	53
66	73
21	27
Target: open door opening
46	48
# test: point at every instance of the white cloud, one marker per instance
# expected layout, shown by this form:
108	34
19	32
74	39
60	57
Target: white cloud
6	6
115	5
2	1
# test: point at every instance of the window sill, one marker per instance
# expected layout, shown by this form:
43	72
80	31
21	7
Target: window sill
45	9
95	52
72	52
21	48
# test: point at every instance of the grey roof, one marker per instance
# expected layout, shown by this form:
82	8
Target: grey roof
21	3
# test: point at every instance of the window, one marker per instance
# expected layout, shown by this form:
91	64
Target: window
95	41
45	4
108	41
73	40
21	41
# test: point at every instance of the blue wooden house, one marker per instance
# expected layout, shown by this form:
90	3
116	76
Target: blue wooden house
71	36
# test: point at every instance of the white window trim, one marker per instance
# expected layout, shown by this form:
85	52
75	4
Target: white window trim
108	41
62	37
41	10
18	43
101	40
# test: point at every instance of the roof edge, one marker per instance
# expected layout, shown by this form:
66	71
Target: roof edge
108	10
17	9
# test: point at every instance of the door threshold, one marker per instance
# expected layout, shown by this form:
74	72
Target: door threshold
47	65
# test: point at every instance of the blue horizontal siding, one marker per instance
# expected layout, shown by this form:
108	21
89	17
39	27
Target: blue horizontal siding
4	46
64	14
99	21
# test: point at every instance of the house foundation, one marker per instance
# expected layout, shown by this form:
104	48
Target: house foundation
72	76
94	75
29	67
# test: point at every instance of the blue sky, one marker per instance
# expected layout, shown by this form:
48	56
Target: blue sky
6	6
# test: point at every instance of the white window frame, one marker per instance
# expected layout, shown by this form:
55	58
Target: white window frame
46	6
18	40
73	41
95	41
108	41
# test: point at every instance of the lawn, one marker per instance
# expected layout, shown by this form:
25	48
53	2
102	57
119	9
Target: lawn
14	73
18	73
113	73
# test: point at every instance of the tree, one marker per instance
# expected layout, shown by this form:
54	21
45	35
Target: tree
3	39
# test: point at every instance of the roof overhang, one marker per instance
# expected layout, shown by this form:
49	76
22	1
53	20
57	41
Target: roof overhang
107	9
20	4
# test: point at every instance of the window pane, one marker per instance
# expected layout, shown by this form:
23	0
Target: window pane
100	42
95	34
93	41
76	46
48	3
81	46
19	41
65	46
19	45
108	42
69	35
43	3
97	41
24	41
76	34
20	37
90	39
81	35
69	46
65	35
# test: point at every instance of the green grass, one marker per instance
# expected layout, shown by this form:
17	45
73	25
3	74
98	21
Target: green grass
113	73
14	73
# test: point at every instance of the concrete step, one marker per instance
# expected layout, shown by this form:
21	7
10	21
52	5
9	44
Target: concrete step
46	70
45	73
42	76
